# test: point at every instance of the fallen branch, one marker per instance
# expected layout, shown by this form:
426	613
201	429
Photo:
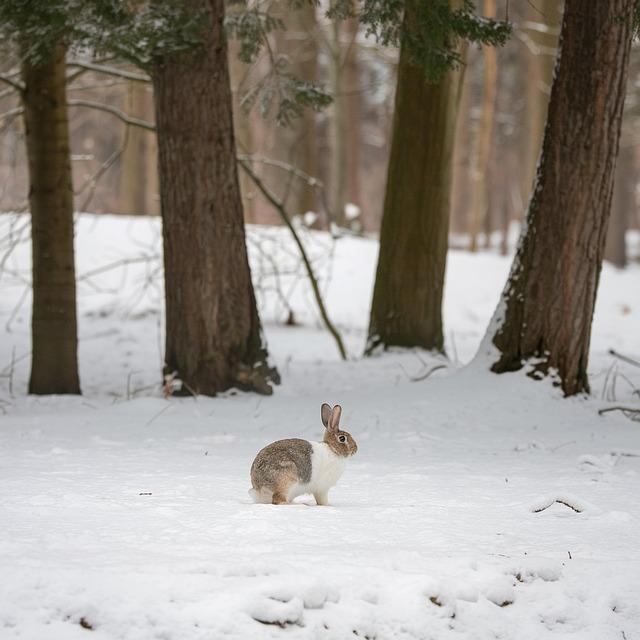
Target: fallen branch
428	373
548	503
277	205
629	412
624	358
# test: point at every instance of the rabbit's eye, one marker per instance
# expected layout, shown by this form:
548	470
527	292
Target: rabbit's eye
342	438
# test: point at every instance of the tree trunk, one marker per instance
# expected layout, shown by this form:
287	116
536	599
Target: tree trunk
134	190
242	127
623	204
54	364
353	107
547	306
296	144
541	56
338	168
407	300
479	173
213	334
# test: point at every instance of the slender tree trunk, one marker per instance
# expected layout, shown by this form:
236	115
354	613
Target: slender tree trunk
338	168
242	127
542	45
213	334
353	118
134	190
480	170
547	306
623	204
54	364
407	300
296	144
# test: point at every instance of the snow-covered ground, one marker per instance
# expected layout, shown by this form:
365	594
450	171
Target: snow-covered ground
125	515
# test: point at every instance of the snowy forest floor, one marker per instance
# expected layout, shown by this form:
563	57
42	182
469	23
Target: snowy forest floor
125	515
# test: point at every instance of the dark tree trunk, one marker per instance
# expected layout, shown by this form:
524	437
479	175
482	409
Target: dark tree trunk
623	204
548	302
406	309
54	363
213	334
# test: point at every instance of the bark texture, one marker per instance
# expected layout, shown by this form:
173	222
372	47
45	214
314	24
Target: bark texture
213	334
406	309
550	296
54	364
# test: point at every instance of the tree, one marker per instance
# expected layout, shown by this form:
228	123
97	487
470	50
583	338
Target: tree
547	306
623	203
407	297
406	309
54	361
480	173
213	334
540	37
39	34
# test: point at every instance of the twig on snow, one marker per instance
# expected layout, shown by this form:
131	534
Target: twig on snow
624	358
629	412
424	376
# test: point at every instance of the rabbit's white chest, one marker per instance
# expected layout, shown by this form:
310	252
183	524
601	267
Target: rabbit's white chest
326	466
326	469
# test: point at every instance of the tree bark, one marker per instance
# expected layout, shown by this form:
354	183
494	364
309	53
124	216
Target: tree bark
406	309
213	334
54	364
547	307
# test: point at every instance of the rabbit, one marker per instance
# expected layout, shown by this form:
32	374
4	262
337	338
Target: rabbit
289	468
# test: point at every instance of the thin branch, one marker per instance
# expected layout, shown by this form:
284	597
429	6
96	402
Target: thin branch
121	115
110	71
424	376
277	205
624	358
630	412
15	84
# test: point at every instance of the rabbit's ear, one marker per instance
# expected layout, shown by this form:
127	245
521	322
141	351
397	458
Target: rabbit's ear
325	414
334	420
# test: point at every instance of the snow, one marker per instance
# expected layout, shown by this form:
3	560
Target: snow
125	515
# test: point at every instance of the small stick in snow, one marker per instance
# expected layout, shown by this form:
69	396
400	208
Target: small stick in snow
158	414
624	358
629	412
545	503
428	373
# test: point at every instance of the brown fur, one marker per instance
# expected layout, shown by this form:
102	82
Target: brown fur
283	463
280	464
